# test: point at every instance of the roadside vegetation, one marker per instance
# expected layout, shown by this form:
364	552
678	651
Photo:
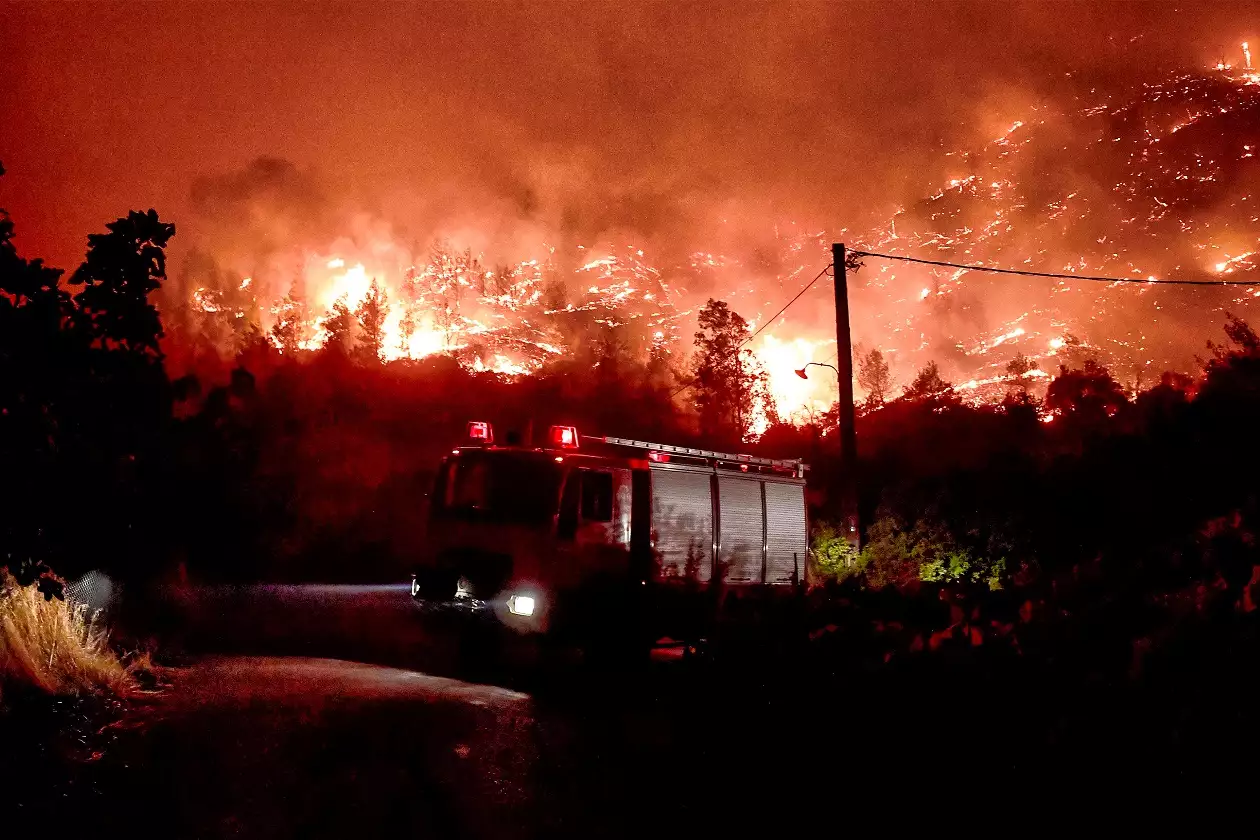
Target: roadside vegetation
81	411
52	646
1090	541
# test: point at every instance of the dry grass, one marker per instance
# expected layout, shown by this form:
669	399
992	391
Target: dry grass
54	646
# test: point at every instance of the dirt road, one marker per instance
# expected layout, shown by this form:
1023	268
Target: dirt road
279	747
265	734
260	746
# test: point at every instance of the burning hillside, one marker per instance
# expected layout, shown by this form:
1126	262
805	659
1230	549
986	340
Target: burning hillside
1148	185
1152	183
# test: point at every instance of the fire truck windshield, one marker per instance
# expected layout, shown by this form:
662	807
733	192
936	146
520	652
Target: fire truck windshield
489	486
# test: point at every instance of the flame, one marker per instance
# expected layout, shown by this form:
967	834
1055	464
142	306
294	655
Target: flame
510	321
1228	264
792	395
351	285
445	301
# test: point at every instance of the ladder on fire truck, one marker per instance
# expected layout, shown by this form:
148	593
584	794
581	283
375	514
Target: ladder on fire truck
796	465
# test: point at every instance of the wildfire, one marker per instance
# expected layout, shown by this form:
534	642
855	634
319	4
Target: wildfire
1166	196
508	321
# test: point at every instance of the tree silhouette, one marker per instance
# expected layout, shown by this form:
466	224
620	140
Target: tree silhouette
123	267
34	349
370	317
1243	343
84	399
340	328
1089	395
728	380
1017	370
927	384
874	378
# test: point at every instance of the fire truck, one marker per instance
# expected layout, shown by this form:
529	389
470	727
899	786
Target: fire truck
590	536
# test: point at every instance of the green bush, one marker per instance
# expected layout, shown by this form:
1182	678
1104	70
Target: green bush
958	566
835	558
899	556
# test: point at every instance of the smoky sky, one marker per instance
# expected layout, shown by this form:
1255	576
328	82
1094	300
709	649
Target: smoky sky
663	120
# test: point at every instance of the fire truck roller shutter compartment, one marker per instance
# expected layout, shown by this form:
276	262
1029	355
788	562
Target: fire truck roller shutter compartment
786	538
740	523
682	516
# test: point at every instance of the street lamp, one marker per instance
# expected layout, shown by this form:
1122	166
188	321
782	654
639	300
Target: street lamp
801	372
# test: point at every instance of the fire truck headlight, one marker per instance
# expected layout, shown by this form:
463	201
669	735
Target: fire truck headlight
521	605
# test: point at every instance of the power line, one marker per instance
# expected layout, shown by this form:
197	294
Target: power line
984	268
769	320
1055	275
776	315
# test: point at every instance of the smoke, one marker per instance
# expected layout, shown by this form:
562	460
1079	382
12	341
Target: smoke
752	133
267	204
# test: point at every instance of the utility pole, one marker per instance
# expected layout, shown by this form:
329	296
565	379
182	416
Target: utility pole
844	371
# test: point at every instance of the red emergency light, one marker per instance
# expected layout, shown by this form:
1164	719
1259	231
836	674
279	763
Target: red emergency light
658	457
480	431
564	437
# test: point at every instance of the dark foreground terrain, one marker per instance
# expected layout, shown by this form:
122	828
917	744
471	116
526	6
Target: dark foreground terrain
263	734
336	711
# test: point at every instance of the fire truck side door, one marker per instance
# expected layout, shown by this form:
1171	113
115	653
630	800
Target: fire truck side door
598	509
595	519
591	508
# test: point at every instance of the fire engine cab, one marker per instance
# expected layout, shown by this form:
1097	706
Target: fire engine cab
591	533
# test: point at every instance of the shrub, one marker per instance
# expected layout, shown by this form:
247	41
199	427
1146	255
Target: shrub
53	646
834	556
956	565
901	557
890	556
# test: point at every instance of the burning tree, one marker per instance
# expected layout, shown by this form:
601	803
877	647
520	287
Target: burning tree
289	330
438	287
